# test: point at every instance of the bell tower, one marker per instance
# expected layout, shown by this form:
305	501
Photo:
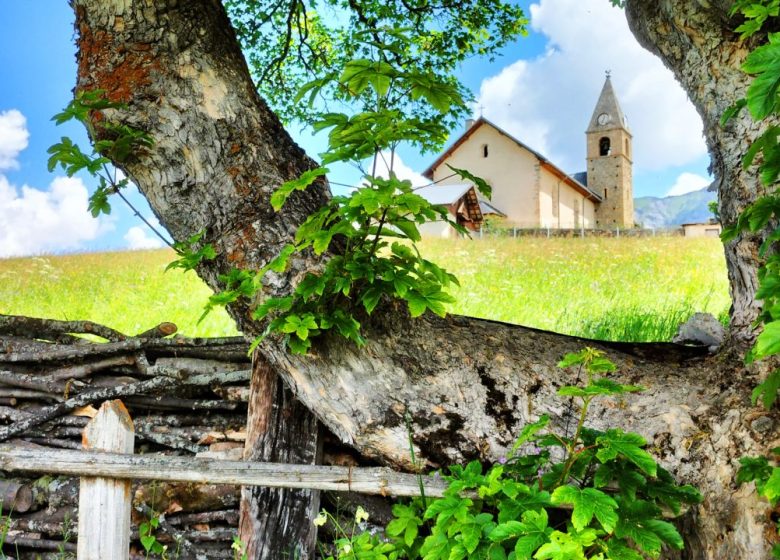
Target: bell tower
609	161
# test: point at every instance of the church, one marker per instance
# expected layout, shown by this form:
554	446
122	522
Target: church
530	191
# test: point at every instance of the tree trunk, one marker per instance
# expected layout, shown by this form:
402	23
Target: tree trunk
695	40
277	523
468	385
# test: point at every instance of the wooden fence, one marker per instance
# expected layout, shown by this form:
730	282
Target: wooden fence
107	465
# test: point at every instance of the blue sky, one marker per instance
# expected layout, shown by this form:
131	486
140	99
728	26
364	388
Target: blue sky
542	90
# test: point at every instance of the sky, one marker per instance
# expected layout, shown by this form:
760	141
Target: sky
542	90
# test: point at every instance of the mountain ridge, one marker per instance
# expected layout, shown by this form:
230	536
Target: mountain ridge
670	211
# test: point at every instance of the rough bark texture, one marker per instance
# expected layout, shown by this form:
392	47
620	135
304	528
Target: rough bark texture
468	384
219	153
695	40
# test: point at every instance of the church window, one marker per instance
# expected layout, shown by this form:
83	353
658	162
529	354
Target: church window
604	146
484	150
629	155
605	194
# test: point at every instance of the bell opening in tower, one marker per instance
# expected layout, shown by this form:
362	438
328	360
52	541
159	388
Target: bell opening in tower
604	147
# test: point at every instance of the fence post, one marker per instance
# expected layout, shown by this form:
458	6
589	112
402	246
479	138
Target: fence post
104	503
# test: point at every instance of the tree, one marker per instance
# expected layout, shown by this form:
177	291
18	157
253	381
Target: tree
466	385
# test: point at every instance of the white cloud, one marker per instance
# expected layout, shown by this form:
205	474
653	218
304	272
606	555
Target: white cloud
688	182
138	238
34	221
547	102
402	171
13	137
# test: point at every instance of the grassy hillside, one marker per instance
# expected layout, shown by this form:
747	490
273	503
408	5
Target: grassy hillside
621	289
673	210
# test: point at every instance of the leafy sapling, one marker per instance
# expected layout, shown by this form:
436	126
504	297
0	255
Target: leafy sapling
555	496
371	232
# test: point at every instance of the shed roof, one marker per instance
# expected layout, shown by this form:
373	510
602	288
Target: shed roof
444	194
488	208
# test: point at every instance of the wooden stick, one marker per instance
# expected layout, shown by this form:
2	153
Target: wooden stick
175	403
104	503
80	371
82	399
61	353
32	327
16	496
160	331
367	480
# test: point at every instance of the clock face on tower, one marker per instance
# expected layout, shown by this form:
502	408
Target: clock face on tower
603	119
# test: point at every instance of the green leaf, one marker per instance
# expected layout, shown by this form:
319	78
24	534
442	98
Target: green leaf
768	342
732	111
529	431
566	546
639	522
771	490
767	390
616	442
482	185
618	549
281	194
753	468
531	533
601	386
587	503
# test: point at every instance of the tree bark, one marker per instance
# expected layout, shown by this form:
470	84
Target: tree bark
468	385
696	41
277	523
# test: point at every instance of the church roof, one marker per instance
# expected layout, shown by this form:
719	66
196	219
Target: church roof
581	177
571	181
607	105
444	194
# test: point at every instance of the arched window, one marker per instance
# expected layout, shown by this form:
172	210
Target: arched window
605	194
604	147
627	154
484	150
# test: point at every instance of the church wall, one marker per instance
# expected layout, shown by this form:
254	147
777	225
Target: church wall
590	214
561	206
512	171
440	229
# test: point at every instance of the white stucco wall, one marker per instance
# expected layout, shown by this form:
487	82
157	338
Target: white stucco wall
526	191
512	172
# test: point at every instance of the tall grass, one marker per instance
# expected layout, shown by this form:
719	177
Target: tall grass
613	289
126	290
618	289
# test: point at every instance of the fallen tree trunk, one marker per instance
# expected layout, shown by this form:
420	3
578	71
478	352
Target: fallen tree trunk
468	385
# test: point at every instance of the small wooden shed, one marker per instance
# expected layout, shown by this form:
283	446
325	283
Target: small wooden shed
462	202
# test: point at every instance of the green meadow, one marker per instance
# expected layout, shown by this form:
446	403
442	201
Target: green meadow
617	289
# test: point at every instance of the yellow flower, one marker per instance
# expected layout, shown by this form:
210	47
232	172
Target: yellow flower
361	515
321	519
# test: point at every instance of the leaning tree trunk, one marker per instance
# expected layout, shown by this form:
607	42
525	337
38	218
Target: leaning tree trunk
467	385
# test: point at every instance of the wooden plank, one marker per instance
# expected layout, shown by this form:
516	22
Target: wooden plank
104	503
366	480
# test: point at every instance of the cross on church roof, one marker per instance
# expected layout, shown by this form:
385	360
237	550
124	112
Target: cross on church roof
608	73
